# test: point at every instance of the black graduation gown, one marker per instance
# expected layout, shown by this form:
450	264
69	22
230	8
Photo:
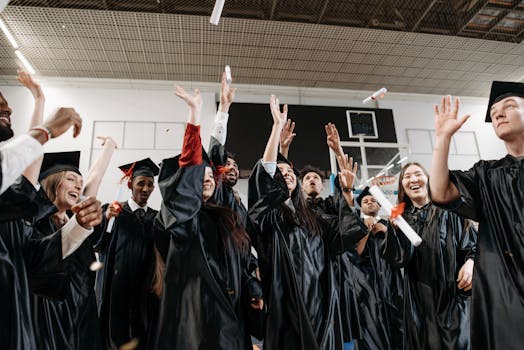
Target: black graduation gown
297	268
70	322
25	264
202	303
379	292
127	304
342	268
492	193
436	312
225	195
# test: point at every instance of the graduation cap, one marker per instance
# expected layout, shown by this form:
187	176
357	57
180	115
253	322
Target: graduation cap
282	159
144	167
365	192
59	161
500	90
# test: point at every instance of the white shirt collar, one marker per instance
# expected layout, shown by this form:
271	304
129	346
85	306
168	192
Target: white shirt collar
376	218
134	206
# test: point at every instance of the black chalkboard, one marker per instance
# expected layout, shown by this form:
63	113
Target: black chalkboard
250	125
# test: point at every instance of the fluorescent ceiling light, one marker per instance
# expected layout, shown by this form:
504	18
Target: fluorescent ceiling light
3	4
8	34
25	62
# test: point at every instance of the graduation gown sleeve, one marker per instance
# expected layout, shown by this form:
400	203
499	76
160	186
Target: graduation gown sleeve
492	193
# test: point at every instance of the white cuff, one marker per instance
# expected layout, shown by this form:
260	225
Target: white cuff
73	235
219	131
270	167
16	156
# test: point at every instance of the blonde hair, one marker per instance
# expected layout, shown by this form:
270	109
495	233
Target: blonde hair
50	184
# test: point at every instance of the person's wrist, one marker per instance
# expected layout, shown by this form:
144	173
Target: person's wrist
41	133
224	107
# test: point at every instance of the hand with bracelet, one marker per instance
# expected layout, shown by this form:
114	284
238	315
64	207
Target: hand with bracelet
57	124
347	176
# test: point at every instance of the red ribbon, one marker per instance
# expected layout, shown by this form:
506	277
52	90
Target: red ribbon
397	210
117	206
128	173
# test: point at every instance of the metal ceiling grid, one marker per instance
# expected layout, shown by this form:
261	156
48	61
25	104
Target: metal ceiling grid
500	20
127	45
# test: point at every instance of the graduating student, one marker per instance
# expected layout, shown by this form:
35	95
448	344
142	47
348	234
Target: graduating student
20	153
296	252
29	264
312	179
125	285
221	158
377	285
437	274
492	193
70	322
205	298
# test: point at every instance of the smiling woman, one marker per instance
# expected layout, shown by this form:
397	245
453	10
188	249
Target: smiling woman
438	272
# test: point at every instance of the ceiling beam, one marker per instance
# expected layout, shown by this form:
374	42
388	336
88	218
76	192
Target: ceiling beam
322	11
520	36
503	13
469	15
273	9
423	15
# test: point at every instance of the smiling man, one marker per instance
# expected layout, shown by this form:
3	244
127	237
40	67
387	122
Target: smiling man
127	303
492	193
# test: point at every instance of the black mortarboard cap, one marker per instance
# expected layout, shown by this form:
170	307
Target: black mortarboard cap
144	167
282	159
500	90
59	161
365	192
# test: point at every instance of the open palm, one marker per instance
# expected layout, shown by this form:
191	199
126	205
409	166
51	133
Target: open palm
446	121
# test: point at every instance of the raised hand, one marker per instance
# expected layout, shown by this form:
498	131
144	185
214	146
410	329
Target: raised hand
227	95
286	137
446	121
62	120
26	80
279	118
107	140
333	139
348	171
193	101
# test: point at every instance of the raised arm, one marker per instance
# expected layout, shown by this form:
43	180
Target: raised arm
18	154
286	137
227	95
347	176
32	171
446	124
192	146
333	139
279	120
98	170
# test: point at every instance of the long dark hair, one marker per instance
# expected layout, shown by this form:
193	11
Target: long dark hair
304	216
402	196
230	222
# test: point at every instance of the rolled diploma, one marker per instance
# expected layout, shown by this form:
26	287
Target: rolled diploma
401	223
112	220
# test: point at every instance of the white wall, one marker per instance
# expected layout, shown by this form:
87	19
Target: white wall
104	100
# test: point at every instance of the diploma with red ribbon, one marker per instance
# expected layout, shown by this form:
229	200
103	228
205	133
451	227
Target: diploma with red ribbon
395	212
